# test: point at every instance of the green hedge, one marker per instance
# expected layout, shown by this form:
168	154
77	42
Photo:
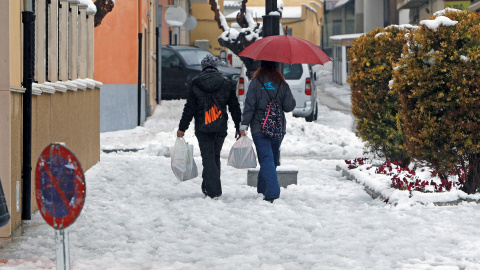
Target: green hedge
437	80
375	106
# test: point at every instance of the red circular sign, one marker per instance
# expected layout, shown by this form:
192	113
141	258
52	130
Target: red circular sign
59	186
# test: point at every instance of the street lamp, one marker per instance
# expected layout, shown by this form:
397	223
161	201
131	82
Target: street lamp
271	23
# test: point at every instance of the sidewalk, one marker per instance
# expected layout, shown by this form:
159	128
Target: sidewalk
138	216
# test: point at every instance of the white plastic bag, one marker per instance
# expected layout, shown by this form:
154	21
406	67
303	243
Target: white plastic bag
242	155
183	164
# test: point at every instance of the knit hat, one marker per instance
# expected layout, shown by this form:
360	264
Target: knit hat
268	64
209	61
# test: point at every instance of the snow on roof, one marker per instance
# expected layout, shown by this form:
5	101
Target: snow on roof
309	7
440	20
315	3
232	4
341	3
91	8
348	36
258	12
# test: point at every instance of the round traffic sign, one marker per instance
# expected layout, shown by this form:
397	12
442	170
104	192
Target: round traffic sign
175	16
190	23
59	186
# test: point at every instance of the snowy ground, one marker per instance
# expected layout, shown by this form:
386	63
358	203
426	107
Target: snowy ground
138	216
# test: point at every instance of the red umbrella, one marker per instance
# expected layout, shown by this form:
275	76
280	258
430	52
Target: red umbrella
285	49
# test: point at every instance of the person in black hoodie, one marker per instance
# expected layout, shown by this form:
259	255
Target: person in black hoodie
207	99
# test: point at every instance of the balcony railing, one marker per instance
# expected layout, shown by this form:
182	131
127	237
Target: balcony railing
64	46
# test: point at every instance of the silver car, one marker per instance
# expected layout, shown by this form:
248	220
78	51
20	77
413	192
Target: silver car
301	80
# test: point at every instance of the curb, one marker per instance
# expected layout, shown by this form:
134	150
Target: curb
376	195
121	150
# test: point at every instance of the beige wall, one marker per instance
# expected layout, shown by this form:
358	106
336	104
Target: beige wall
15	109
306	27
207	27
15	44
432	7
5	150
16	100
5	145
71	117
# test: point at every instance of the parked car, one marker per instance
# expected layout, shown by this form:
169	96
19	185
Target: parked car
180	64
301	80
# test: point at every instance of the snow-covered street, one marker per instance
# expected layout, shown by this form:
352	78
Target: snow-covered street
137	215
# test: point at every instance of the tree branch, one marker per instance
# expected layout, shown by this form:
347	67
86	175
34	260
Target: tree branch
214	8
103	8
241	20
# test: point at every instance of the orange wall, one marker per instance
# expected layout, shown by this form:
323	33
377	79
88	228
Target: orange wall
116	45
116	41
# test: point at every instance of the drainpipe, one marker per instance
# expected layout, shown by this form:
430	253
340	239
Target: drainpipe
157	65
158	49
139	87
28	20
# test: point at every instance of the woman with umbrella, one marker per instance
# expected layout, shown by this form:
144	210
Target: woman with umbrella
267	86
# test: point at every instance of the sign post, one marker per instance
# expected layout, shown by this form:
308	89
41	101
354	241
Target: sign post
60	194
62	247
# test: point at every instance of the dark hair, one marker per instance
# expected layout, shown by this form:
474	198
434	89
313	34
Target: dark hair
271	73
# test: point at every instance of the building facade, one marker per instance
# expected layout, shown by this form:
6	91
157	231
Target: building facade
304	19
128	69
65	98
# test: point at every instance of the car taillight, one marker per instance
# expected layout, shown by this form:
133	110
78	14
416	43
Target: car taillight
308	87
230	59
241	89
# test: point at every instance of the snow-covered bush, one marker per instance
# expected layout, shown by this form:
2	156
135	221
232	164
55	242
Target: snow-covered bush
437	80
375	106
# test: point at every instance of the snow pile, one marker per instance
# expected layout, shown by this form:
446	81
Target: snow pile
425	178
439	21
138	216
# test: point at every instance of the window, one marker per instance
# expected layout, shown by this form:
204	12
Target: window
292	72
193	57
168	58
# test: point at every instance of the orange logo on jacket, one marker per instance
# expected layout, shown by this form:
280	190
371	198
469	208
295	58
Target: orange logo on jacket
212	114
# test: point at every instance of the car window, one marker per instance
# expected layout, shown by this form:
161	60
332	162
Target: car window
169	57
292	72
193	57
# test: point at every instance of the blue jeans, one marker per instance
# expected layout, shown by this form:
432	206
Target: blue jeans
268	157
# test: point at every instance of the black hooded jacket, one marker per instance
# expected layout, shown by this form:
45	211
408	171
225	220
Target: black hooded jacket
210	81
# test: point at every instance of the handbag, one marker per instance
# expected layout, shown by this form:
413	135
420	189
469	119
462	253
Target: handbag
183	164
242	155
